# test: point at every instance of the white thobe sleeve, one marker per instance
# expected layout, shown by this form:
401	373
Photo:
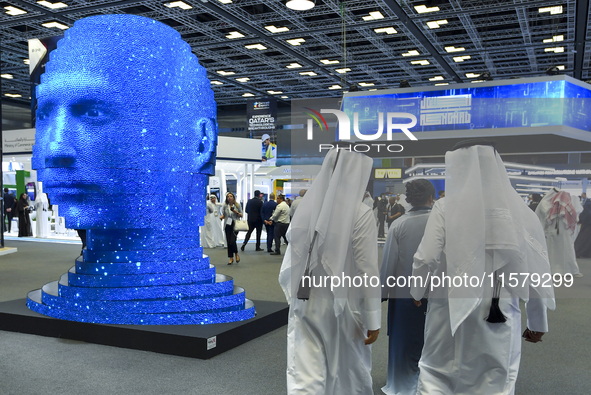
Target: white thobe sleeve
428	255
389	262
365	256
537	315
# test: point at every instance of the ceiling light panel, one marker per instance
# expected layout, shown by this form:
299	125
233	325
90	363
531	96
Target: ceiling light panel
552	10
260	47
56	25
387	30
296	41
373	16
178	4
274	29
422	9
423	62
343	71
554	49
327	61
459	59
233	35
13	11
454	49
334	87
53	6
411	53
436	24
437	78
308	73
243	79
294	66
554	39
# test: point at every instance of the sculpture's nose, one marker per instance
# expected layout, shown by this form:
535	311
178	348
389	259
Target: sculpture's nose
60	154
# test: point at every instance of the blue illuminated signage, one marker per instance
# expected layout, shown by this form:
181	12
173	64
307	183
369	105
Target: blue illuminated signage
531	103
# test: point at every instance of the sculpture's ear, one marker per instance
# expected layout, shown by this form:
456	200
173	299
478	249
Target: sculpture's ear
207	133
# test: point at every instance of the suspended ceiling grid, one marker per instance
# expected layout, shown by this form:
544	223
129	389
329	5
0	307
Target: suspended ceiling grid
504	38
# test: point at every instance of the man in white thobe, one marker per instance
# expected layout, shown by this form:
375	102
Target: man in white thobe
334	234
559	218
482	229
207	240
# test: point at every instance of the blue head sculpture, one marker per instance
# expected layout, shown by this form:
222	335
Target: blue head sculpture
125	143
126	124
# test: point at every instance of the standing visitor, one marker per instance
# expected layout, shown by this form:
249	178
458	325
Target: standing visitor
558	216
23	208
481	229
406	322
254	220
231	212
280	219
330	328
266	213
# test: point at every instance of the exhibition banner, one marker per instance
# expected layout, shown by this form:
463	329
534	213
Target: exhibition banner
262	121
262	116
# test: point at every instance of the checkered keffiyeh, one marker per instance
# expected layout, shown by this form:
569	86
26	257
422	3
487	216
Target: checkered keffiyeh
563	209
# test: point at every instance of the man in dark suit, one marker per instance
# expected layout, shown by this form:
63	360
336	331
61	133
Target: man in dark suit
9	207
253	209
395	210
267	212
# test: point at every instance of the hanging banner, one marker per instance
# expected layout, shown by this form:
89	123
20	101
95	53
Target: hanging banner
39	50
262	122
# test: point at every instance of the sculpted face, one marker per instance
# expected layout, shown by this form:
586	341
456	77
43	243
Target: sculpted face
126	125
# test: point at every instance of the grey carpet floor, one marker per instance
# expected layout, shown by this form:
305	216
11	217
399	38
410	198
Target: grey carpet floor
34	365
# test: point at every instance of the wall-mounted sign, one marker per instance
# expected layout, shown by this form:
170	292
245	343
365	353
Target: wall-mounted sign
388	173
18	141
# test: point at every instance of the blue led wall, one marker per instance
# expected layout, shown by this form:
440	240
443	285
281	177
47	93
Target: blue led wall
554	102
125	141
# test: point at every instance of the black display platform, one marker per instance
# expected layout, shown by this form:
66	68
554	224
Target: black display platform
183	340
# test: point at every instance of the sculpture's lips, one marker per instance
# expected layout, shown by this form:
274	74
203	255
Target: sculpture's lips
72	186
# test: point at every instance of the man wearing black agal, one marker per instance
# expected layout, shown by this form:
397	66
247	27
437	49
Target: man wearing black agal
253	210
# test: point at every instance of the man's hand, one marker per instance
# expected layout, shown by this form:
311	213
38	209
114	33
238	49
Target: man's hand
372	336
532	336
417	303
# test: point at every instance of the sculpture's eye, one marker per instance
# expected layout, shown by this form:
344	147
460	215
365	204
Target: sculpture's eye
93	112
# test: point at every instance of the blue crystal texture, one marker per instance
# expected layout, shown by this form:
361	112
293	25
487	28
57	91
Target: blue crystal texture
125	142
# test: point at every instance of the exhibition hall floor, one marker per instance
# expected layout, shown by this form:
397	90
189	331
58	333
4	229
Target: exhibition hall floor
37	365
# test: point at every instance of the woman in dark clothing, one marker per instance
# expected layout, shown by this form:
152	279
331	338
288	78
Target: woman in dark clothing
24	222
231	212
583	242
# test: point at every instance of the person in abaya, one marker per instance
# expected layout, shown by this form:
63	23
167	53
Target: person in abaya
583	242
24	221
558	217
231	212
330	328
406	323
482	229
